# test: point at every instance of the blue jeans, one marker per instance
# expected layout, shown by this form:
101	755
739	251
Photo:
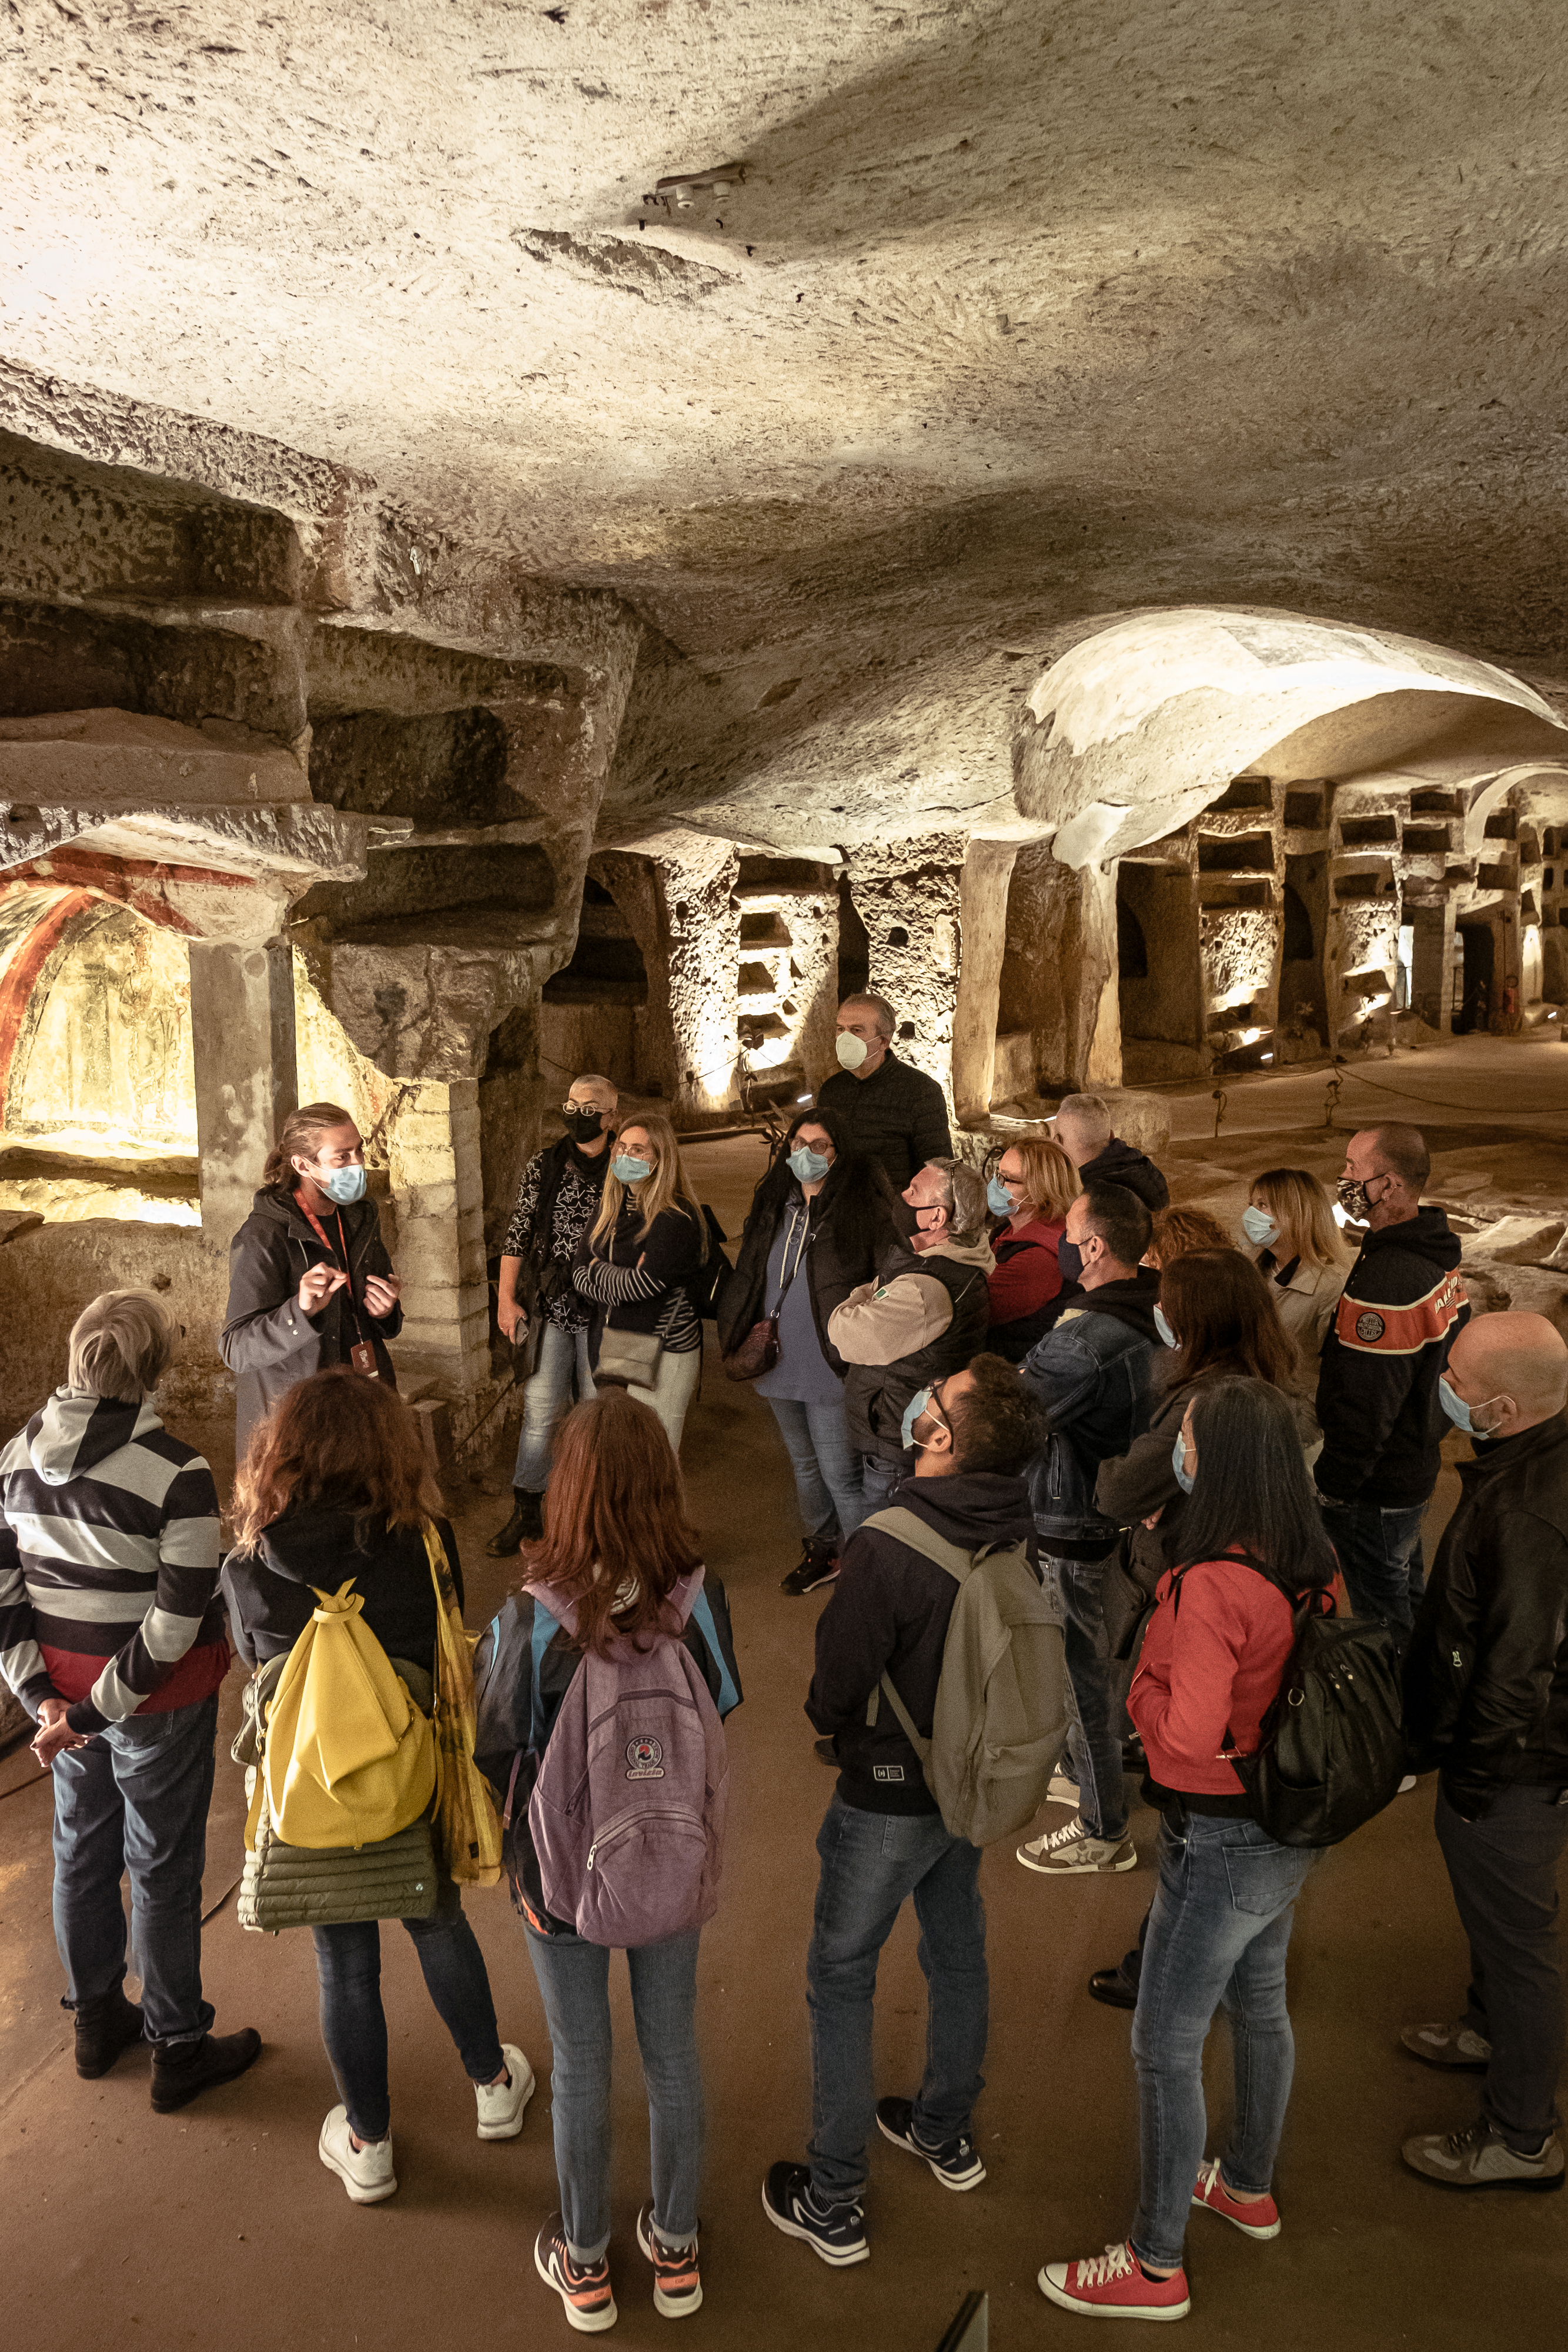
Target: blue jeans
878	1480
827	1469
870	1863
574	1986
548	1394
1218	1933
1379	1557
1077	1587
135	1800
353	2023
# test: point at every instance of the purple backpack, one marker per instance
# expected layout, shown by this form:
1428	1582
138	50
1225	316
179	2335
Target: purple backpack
627	1814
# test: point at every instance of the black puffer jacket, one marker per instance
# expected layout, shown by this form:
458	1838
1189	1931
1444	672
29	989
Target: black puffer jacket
269	1341
849	1234
889	1613
1486	1676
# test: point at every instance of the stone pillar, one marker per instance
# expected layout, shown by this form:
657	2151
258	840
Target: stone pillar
437	1181
1062	930
983	915
680	904
907	896
242	1041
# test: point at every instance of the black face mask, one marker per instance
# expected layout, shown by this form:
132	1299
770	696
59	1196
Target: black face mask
584	1126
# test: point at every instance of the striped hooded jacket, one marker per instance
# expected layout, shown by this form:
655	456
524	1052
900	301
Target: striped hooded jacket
108	1564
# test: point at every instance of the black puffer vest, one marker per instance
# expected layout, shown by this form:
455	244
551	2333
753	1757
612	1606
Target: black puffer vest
876	1395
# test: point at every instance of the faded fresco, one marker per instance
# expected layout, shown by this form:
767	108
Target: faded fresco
106	1046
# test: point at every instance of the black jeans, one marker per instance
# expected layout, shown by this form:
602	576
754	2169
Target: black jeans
1503	1870
353	2023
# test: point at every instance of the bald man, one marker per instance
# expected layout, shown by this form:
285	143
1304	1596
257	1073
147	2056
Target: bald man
1377	1387
1486	1695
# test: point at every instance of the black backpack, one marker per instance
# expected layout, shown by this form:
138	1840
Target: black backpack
707	1287
1332	1749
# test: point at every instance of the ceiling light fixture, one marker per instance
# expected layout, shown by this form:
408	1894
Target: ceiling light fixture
678	192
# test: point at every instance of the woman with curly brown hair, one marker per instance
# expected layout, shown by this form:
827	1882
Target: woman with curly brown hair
335	1485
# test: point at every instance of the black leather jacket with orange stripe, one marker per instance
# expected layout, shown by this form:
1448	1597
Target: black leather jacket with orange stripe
1377	1389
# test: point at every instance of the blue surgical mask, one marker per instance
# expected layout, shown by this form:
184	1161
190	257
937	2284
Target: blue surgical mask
1167	1337
998	1199
1258	1226
1178	1464
1461	1414
911	1412
344	1185
808	1166
627	1171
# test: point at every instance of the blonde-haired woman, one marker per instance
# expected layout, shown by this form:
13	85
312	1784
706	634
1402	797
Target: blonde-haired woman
1296	1247
639	1264
1033	1185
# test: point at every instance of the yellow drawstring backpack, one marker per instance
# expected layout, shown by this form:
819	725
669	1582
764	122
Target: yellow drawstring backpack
349	1758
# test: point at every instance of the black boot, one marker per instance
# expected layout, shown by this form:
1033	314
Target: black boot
818	1565
526	1525
181	2070
104	2028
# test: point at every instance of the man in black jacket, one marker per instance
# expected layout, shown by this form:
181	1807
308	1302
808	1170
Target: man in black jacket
1092	1372
1485	1690
1377	1387
1084	1128
883	1838
892	1112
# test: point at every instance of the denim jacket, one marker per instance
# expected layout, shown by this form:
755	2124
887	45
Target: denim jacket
1092	1372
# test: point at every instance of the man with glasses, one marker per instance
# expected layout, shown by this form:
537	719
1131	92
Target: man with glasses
561	1190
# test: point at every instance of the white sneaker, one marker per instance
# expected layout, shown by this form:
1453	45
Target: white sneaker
1071	1852
501	2105
1063	1791
1406	1785
365	2172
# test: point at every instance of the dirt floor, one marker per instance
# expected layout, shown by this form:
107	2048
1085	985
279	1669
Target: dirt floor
219	2225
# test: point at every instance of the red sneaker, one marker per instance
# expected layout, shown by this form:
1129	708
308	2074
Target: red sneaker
1257	2217
1114	2285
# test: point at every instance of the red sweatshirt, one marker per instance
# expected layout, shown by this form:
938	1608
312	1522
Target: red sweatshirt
1213	1664
1027	1275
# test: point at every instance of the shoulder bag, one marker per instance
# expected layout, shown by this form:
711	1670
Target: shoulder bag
759	1350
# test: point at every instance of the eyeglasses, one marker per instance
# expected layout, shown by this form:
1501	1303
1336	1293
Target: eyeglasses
576	1110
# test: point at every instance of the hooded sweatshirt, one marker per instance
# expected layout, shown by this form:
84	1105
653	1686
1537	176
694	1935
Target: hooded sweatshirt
108	1564
269	1341
272	1591
889	1613
1401	1309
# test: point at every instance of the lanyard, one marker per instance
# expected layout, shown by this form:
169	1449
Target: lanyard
343	1245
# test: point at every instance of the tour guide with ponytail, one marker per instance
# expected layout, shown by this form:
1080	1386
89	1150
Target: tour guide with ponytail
310	1283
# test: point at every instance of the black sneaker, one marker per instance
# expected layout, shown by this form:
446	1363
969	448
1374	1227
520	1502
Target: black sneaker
677	2273
818	1565
586	2294
836	2233
1110	1986
954	2162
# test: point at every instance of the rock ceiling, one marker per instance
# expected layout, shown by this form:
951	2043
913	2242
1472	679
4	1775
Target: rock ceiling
1022	314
